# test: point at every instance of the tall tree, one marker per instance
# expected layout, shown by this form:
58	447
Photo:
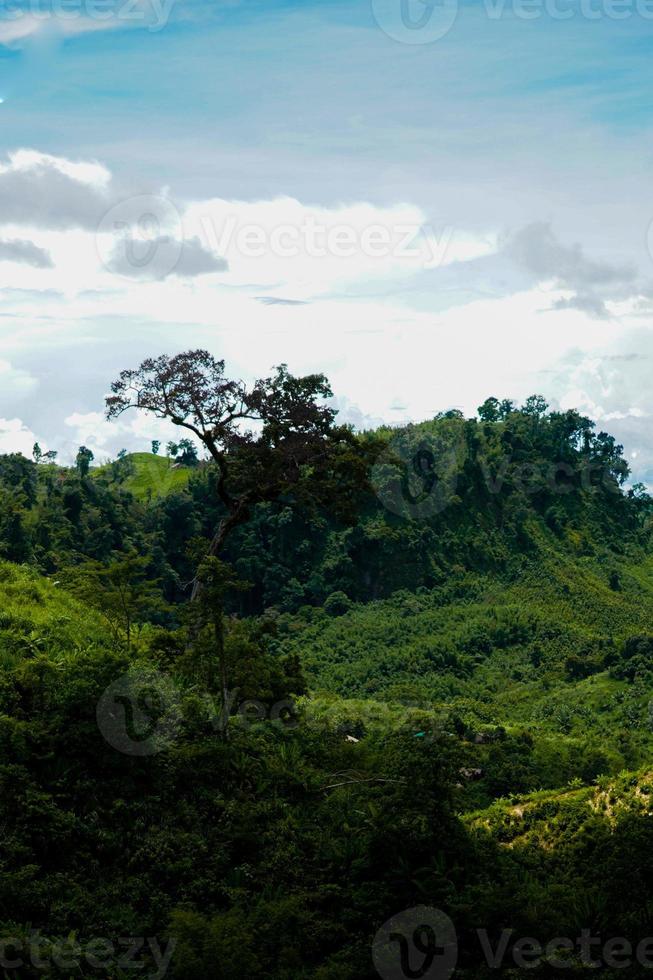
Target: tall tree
83	460
275	438
188	452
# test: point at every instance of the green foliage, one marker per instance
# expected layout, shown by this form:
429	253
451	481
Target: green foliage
474	680
83	460
120	590
188	455
190	839
337	604
634	659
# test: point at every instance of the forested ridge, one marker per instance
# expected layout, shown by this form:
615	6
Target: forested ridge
417	671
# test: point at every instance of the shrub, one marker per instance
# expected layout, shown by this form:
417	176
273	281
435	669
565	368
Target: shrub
337	604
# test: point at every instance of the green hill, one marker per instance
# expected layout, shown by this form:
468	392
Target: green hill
574	862
531	670
147	476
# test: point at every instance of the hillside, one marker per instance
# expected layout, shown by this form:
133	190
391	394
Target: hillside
462	683
548	819
528	667
574	862
525	627
145	475
539	861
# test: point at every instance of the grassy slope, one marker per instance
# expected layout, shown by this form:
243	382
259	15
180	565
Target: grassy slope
37	616
543	819
152	475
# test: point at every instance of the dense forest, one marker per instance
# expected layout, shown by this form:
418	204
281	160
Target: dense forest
272	685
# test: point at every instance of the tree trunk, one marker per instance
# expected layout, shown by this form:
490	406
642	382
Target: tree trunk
227	524
218	629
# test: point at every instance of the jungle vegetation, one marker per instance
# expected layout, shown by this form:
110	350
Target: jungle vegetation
379	669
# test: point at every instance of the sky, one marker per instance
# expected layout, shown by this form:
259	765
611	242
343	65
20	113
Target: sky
430	202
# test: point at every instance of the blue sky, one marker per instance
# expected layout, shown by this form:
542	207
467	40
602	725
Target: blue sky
522	146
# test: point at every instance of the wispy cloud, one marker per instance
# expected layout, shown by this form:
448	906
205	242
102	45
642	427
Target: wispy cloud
25	252
280	301
591	282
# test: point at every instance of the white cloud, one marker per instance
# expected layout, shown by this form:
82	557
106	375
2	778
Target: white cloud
100	237
319	249
82	171
588	282
16	437
130	257
133	431
16	30
374	323
611	384
73	23
15	381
